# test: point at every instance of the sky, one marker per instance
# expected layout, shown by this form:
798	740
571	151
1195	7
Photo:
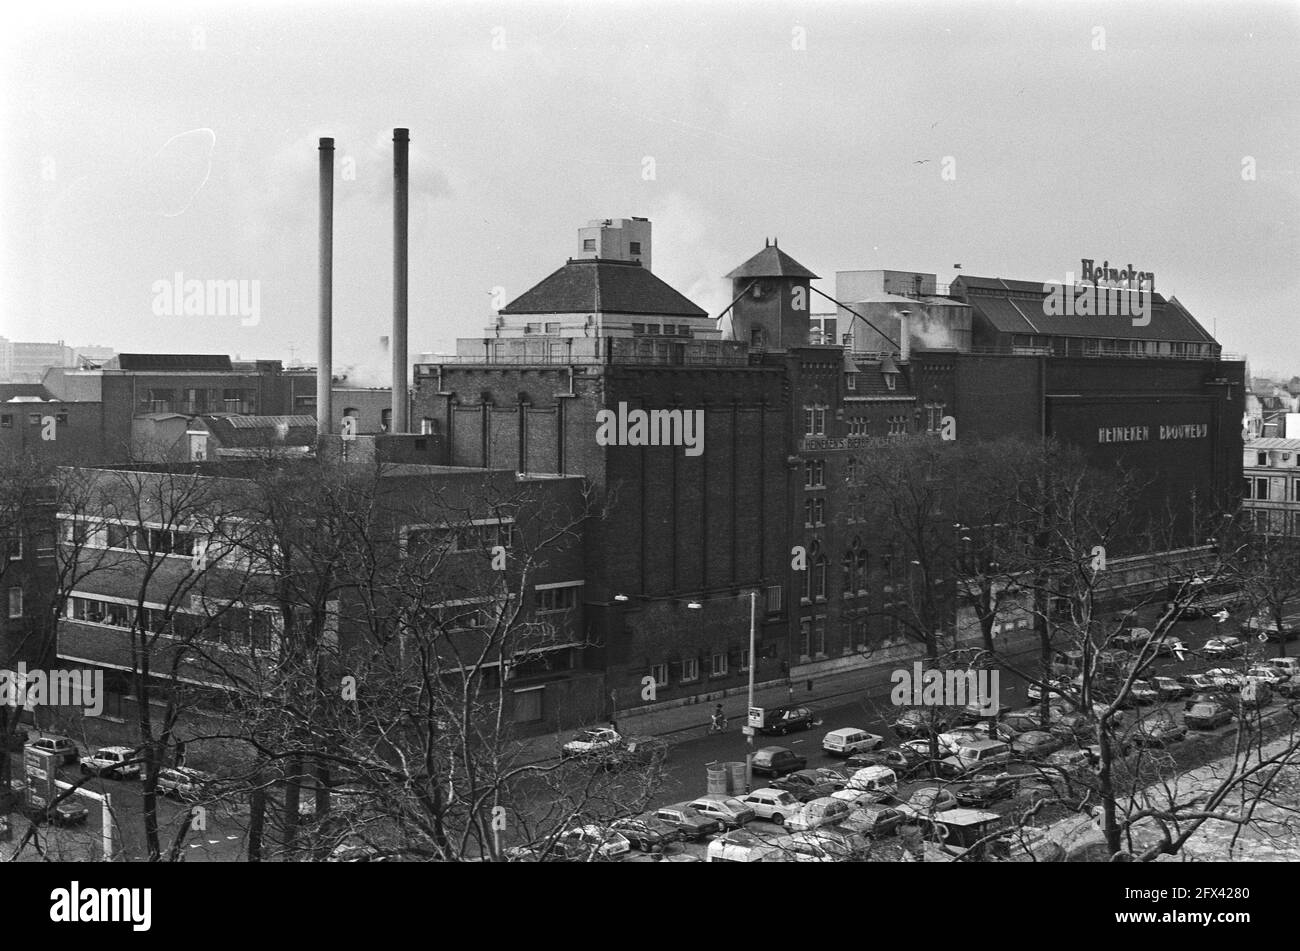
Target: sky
143	141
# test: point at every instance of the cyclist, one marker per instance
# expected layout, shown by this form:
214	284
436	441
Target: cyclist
719	721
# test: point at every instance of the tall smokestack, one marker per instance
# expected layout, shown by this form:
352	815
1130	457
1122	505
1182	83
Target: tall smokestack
904	336
325	341
401	183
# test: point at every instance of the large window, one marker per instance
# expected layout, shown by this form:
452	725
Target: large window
814	417
814	474
659	672
15	602
557	599
690	670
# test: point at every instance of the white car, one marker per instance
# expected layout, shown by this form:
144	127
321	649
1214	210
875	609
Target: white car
589	742
857	798
1269	675
849	740
115	762
741	845
592	843
774	805
820	812
1223	646
728	810
948	745
812	847
1225	677
1056	688
183	782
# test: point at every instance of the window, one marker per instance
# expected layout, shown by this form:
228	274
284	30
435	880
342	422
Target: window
814	420
819	637
744	658
814	474
897	425
589	244
1261	458
933	417
659	672
774	598
820	567
557	599
33	419
857	425
814	511
426	426
386	420
15	602
123	536
1295	490
891	380
634	247
14	545
552	328
805	638
638	329
1261	488
1246	494
7	421
718	665
690	670
850	381
61	418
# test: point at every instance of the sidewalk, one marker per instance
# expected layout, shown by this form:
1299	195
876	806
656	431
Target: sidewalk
690	719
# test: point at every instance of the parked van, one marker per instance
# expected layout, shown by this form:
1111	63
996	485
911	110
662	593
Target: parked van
875	779
850	740
820	812
972	756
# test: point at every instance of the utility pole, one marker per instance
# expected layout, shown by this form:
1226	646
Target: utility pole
749	736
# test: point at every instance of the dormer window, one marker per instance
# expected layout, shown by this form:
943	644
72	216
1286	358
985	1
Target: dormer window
850	381
891	380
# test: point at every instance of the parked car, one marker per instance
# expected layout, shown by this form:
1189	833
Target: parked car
1143	693
849	740
591	743
1192	683
825	810
728	810
1168	688
1055	688
973	756
781	720
1071	758
1269	675
112	762
1207	716
1287	665
986	790
62	747
914	723
928	800
880	780
647	833
686	820
591	843
774	805
635	752
1226	646
66	812
812	847
1213	695
1158	730
741	845
355	849
183	782
1226	678
805	785
973	734
1134	638
777	761
876	820
946	744
903	760
1036	744
1170	645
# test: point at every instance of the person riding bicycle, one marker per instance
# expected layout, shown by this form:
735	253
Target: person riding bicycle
719	721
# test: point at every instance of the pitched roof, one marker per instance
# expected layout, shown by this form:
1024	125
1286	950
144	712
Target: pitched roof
771	262
24	391
1018	307
598	285
1267	443
247	431
169	361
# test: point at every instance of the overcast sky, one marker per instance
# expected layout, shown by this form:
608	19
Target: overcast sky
145	140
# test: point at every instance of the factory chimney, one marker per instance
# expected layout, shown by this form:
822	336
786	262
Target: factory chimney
325	329
401	182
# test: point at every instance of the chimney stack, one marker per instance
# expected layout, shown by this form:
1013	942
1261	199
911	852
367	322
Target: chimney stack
904	337
401	183
325	329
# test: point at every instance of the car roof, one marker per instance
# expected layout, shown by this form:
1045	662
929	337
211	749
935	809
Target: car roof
845	731
775	749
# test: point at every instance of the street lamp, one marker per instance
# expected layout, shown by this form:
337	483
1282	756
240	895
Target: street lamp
749	730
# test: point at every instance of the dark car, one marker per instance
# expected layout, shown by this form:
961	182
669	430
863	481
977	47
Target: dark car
805	785
1168	688
1207	716
1036	744
781	720
1213	695
903	760
777	761
1157	731
873	819
68	812
647	832
986	789
687	821
916	723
